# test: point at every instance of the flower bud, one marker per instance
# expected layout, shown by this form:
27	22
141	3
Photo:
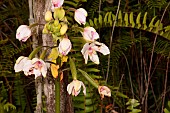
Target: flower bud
23	33
45	31
63	29
65	46
48	16
80	16
59	13
56	22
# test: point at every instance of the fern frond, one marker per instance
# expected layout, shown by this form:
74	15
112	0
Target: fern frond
128	21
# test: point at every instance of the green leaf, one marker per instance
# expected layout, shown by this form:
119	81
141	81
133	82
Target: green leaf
135	111
144	21
106	18
90	108
89	78
91	22
92	70
151	23
100	20
166	110
95	22
120	18
126	19
131	20
138	20
110	18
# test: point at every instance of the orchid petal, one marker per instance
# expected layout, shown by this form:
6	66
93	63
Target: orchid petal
23	33
20	63
69	88
90	34
102	48
84	88
57	3
74	87
94	58
80	16
65	46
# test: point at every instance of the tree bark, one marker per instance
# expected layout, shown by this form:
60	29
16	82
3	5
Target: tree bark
39	9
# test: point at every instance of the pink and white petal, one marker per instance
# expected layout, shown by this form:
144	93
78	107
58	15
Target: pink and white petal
77	19
70	88
34	60
95	35
44	71
87	35
77	92
28	66
89	29
94	58
57	3
85	48
103	49
86	57
83	11
36	73
80	18
20	63
23	33
77	85
84	88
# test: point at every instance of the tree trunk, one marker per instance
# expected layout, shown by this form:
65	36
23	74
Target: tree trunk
39	9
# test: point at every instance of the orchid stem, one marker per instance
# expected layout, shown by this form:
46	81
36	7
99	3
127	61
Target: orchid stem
57	95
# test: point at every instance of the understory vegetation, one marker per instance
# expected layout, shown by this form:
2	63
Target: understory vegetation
136	71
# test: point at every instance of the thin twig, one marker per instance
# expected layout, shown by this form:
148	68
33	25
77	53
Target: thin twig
111	39
165	85
150	65
130	78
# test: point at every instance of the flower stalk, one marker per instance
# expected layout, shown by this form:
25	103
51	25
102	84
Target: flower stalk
34	52
57	95
73	68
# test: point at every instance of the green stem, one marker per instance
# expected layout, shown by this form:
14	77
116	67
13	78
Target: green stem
34	52
57	95
73	68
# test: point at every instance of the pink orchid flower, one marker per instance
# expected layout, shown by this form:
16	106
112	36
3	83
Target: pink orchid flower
35	66
80	16
23	33
104	91
57	3
74	87
89	50
90	34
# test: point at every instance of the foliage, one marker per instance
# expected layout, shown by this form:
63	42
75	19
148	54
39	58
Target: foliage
167	109
132	104
133	36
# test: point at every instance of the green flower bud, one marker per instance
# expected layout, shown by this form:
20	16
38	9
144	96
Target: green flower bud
45	31
64	19
63	29
56	22
48	26
58	26
59	13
